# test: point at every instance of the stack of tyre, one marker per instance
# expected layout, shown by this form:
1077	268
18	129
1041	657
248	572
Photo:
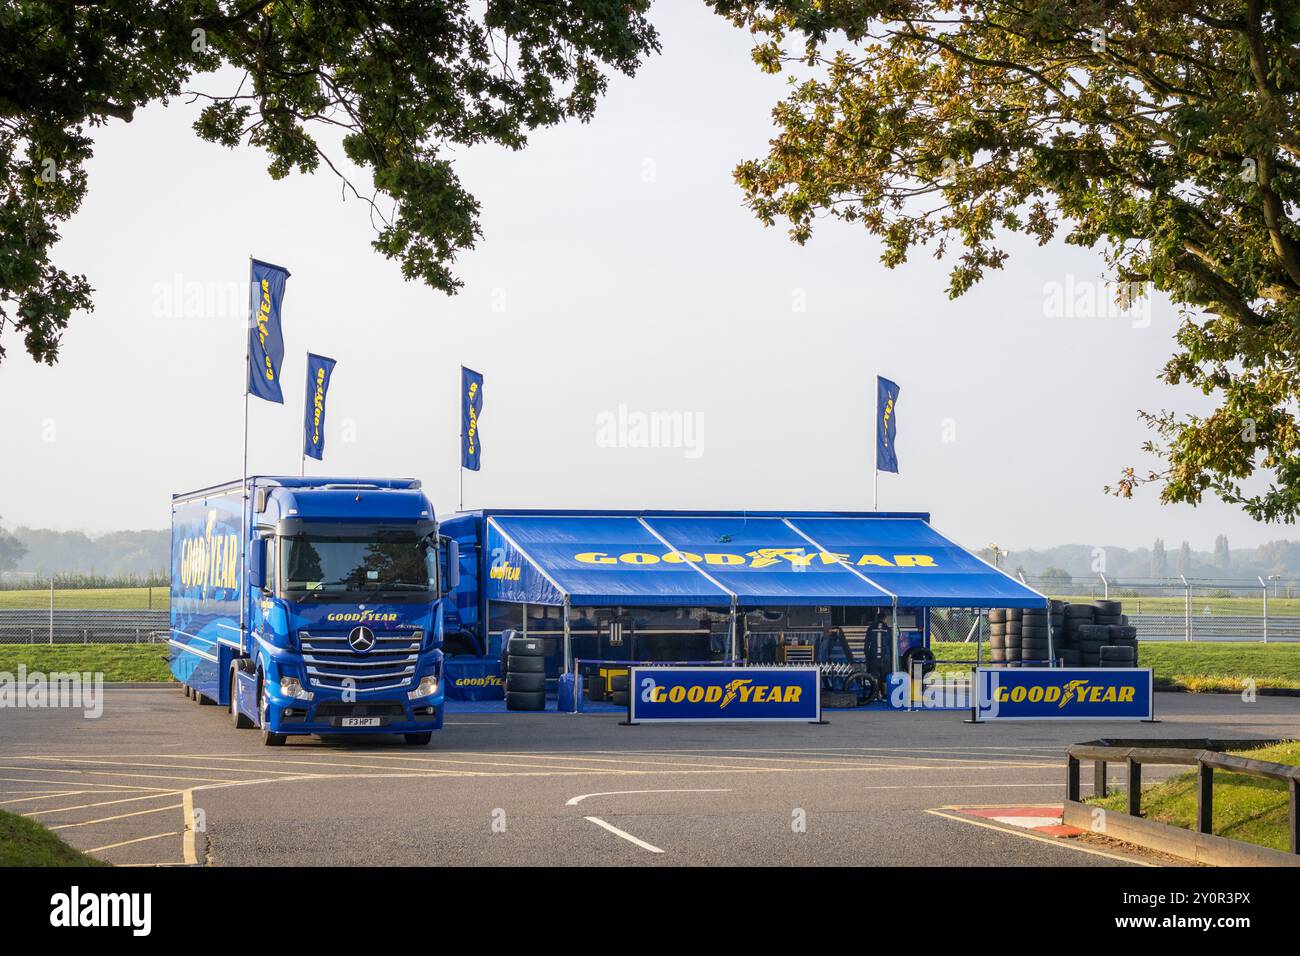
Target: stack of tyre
1004	636
1034	641
618	688
1020	637
525	673
1101	634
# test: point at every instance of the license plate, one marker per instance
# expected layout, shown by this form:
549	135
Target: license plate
360	721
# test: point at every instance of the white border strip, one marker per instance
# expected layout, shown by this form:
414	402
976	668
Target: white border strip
527	557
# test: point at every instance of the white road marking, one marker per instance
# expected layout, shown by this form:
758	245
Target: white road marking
624	834
574	801
1065	844
112	846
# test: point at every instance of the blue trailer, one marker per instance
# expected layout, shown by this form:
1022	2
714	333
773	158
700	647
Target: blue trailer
312	605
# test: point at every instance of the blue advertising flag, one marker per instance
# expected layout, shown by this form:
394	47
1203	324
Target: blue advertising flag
886	425
319	370
471	405
265	340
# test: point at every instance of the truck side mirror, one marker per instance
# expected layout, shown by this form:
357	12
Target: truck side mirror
257	564
453	564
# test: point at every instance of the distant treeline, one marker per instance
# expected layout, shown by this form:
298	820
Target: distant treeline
128	555
1081	561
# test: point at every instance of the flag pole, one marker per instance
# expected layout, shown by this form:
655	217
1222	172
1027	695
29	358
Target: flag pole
243	485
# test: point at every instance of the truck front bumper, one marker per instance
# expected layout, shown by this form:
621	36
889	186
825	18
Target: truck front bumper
384	715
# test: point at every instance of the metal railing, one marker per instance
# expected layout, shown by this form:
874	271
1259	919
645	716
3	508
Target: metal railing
81	626
1206	756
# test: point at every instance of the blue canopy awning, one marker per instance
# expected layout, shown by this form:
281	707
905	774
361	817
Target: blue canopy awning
907	557
753	561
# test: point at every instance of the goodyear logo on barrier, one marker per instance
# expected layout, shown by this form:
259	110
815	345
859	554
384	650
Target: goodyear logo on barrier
725	693
488	680
760	558
1065	694
211	559
362	617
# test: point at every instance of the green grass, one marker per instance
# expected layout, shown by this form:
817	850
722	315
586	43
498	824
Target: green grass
1192	665
1247	606
117	662
1250	809
24	842
88	598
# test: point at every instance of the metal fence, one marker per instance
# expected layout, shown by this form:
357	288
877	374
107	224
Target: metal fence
85	626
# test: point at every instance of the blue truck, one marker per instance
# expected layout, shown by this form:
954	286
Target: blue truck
312	605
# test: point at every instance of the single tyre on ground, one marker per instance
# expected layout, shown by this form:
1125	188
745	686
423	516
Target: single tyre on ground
618	682
525	700
619	698
1114	655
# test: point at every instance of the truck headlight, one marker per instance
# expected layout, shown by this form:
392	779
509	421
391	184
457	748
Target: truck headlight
427	688
292	687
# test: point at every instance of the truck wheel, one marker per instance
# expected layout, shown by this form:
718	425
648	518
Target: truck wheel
268	739
240	721
188	691
419	740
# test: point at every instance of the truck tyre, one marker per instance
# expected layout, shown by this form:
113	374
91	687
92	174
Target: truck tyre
526	665
419	740
525	647
238	719
529	683
188	691
268	739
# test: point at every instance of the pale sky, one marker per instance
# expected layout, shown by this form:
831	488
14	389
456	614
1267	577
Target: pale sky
618	267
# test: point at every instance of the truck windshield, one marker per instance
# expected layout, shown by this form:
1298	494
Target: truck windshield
393	564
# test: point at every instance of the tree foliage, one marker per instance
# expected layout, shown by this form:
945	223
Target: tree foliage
401	83
1162	132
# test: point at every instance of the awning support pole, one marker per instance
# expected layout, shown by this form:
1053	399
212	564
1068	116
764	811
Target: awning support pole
731	631
568	639
893	627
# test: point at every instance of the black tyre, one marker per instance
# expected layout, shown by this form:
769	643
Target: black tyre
526	647
189	691
997	615
618	681
922	655
526	665
1121	632
1093	632
1033	632
525	700
420	739
1080	611
1013	628
1036	647
525	683
1108	608
1115	655
619	698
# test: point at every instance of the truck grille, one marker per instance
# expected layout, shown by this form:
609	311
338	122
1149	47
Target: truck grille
331	662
